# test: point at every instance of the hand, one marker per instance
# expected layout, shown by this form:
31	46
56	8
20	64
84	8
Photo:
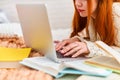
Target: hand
56	41
61	44
75	49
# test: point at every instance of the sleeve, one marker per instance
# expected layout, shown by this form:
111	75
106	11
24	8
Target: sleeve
93	48
116	19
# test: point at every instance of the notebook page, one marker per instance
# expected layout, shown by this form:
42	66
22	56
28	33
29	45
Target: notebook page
80	65
108	49
43	61
105	61
113	76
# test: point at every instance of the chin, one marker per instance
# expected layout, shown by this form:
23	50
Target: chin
83	15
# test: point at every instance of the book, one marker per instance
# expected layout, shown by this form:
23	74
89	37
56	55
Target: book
59	69
112	76
104	62
9	64
13	54
111	62
109	50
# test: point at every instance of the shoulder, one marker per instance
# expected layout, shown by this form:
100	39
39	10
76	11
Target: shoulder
116	8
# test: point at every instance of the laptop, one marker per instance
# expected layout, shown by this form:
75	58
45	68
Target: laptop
36	30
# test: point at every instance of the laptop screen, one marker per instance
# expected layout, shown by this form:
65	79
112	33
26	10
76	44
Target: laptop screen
35	25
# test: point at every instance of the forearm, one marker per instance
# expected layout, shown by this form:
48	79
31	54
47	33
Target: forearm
94	50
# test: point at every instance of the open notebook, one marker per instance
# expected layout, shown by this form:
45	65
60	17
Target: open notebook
111	63
59	69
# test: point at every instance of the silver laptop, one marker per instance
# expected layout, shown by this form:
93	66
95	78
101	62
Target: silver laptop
36	30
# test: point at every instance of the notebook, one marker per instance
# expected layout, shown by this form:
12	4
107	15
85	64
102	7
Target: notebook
36	30
112	76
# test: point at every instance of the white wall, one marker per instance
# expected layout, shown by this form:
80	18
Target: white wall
60	12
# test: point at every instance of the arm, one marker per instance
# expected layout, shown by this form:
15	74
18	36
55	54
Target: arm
94	50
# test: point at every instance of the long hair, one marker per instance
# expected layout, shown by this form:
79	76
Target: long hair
103	21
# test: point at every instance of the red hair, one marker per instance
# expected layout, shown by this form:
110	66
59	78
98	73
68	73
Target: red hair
103	21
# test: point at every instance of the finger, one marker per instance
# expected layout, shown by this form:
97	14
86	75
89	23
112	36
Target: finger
81	51
68	47
60	45
56	41
73	51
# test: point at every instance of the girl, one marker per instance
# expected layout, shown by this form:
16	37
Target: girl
93	20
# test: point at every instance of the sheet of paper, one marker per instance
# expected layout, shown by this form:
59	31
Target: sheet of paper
108	49
80	65
113	76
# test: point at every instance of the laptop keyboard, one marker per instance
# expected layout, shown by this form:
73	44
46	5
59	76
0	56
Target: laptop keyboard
59	55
